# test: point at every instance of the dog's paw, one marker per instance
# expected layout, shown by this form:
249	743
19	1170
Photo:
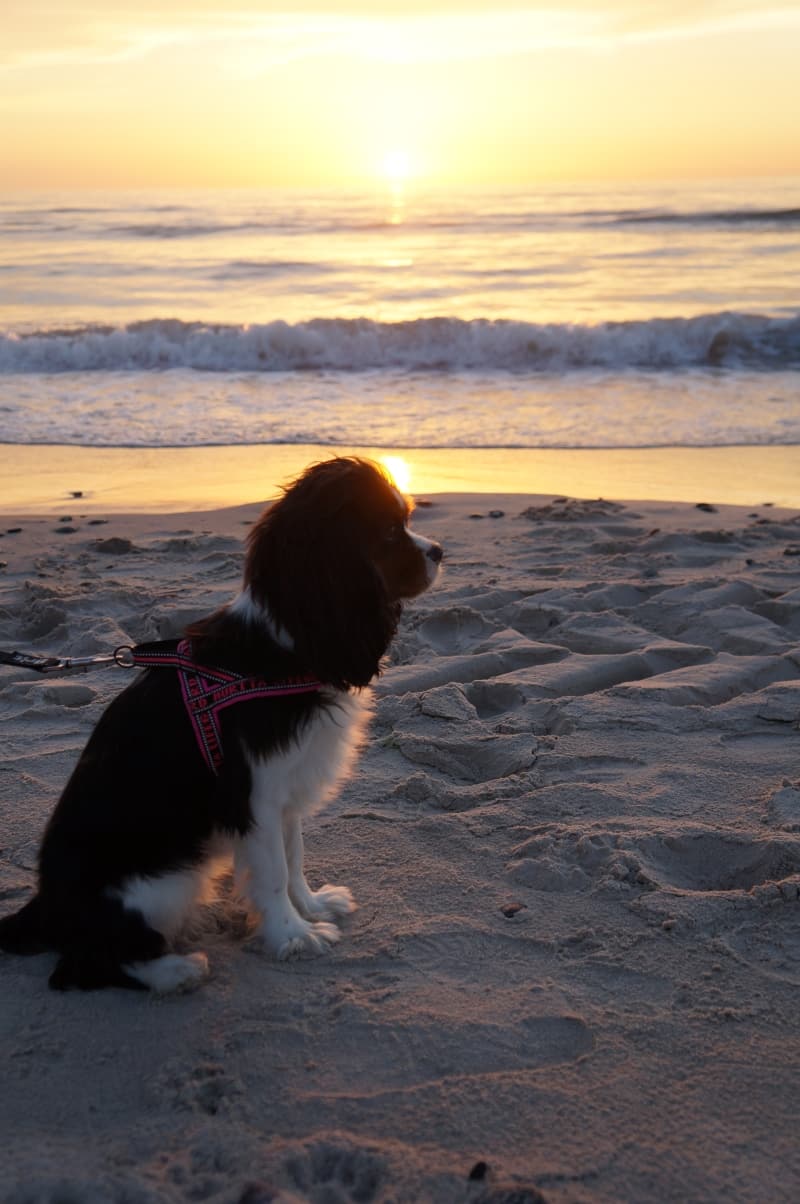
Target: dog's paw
171	973
329	902
300	938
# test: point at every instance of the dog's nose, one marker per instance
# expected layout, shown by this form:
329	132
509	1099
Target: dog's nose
435	553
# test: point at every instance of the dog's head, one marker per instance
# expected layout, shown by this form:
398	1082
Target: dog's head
331	562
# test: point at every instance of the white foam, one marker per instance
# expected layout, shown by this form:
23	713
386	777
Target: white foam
425	344
184	408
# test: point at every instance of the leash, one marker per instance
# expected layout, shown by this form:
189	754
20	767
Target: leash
41	663
205	689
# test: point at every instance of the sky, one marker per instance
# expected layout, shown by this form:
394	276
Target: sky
231	93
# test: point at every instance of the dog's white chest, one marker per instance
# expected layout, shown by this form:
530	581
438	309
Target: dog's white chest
320	757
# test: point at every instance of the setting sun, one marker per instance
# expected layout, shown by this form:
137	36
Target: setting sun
396	166
399	470
456	93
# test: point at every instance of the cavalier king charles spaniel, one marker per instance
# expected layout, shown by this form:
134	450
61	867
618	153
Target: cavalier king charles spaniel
217	750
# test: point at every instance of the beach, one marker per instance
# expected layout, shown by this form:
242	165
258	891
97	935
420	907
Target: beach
574	839
43	478
574	833
541	263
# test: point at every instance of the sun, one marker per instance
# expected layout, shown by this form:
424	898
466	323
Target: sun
396	165
399	470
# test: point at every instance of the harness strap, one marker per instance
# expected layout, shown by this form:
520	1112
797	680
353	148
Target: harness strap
207	690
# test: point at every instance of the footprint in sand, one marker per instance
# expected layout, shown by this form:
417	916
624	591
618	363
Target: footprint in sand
471	757
769	945
692	861
455	629
206	1088
558	768
42	618
336	1170
492	698
453	741
429	1048
441	731
783	807
713	860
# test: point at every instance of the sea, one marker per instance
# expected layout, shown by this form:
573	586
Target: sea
554	316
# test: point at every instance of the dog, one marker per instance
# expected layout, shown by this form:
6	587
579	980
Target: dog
164	797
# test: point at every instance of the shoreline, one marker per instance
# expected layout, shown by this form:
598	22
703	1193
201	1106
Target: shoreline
46	478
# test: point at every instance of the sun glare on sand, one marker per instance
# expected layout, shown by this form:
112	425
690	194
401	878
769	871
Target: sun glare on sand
399	470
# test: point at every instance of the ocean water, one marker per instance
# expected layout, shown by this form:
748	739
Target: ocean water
573	316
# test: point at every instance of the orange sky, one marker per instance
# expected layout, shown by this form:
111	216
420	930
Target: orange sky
196	93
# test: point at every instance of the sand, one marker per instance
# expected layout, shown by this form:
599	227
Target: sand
35	479
575	841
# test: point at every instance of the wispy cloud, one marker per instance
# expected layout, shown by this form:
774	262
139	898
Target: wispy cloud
47	33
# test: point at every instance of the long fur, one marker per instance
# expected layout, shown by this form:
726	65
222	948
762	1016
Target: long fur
143	825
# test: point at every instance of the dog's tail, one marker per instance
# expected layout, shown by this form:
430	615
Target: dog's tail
22	931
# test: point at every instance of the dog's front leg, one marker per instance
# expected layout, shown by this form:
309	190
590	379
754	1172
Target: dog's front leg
324	904
262	861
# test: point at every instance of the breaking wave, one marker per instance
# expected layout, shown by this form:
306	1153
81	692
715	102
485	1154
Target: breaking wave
718	340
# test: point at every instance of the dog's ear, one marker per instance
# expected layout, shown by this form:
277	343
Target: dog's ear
319	586
338	614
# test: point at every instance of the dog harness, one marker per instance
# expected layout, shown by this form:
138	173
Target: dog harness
206	691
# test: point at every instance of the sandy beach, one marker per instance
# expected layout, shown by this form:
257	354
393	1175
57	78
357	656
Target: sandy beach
574	838
40	478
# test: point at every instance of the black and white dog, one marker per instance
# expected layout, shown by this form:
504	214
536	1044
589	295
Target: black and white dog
154	811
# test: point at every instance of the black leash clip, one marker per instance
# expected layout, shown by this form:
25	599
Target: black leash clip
29	660
41	663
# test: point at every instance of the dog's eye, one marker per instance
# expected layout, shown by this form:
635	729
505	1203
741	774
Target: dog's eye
395	532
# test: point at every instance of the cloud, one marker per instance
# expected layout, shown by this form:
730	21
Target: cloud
44	33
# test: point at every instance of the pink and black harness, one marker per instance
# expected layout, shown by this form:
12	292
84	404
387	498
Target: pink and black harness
206	691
